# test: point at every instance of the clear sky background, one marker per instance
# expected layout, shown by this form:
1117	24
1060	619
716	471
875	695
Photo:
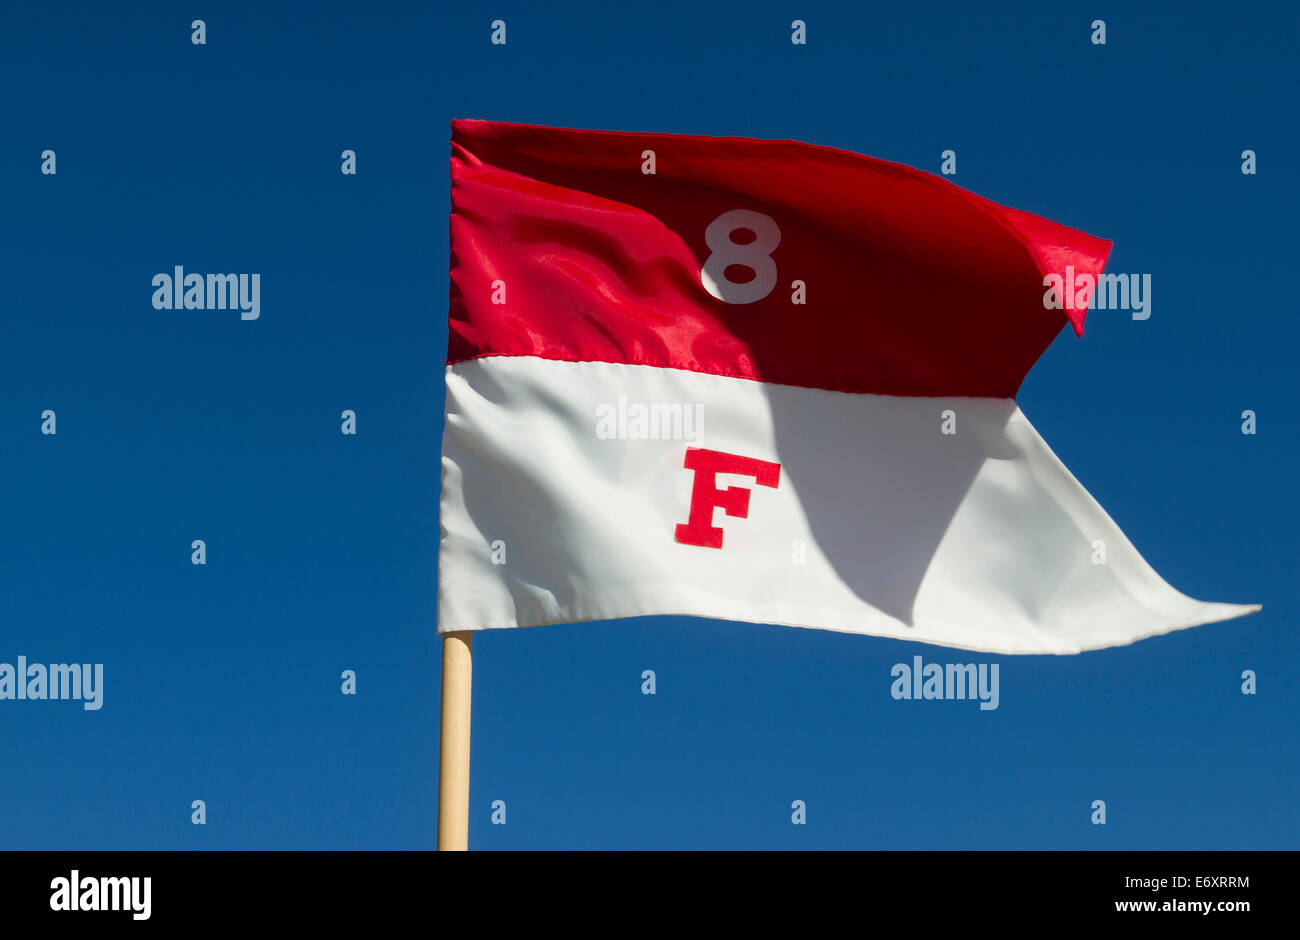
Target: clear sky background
222	682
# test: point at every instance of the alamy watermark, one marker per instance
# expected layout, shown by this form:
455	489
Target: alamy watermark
1075	291
82	682
181	291
946	681
653	421
78	893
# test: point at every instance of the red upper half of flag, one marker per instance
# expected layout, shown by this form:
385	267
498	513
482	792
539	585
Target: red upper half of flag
563	247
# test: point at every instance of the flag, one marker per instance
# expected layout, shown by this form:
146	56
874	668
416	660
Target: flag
764	381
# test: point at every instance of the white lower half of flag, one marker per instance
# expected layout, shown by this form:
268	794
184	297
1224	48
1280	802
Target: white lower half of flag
564	485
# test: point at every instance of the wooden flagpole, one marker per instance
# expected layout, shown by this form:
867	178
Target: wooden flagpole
453	754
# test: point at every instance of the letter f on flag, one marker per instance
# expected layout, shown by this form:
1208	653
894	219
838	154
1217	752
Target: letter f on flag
705	495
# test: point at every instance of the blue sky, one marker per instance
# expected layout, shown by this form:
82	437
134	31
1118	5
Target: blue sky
222	682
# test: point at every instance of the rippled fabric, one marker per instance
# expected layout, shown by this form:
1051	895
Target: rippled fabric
563	248
876	523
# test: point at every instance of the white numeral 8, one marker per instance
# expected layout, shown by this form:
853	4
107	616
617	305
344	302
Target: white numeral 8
756	255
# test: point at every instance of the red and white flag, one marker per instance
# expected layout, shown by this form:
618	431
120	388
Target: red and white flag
763	381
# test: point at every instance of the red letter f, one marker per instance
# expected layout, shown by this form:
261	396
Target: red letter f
705	495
